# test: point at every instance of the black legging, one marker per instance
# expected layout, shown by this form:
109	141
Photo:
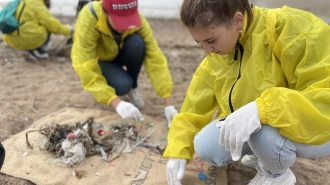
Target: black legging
2	155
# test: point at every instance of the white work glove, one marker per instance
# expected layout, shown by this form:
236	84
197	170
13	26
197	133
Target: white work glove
237	128
129	111
71	29
170	112
175	170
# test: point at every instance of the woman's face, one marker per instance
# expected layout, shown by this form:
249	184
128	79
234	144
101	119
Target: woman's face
218	39
112	25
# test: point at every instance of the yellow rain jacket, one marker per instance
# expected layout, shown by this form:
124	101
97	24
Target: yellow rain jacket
93	41
36	22
285	68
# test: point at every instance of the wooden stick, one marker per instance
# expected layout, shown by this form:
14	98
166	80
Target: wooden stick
32	106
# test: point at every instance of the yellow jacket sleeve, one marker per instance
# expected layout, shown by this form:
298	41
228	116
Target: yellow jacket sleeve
85	59
197	110
46	19
302	111
155	62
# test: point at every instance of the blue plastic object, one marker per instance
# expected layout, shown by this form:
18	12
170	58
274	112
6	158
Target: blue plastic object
202	175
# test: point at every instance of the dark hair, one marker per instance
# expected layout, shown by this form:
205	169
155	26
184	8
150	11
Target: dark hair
202	13
47	3
105	11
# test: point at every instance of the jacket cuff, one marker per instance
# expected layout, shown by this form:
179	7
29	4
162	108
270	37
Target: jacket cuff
66	30
262	110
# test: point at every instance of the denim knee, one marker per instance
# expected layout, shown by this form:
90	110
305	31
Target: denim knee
135	45
123	87
203	150
116	77
200	147
206	144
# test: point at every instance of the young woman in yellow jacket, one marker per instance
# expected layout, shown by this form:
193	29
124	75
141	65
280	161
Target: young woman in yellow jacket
36	25
111	43
267	73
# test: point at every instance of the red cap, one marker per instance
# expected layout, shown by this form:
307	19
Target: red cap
123	13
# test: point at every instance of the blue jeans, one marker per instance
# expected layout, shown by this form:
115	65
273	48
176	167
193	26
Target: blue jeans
131	56
275	152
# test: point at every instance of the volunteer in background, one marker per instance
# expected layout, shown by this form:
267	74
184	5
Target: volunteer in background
267	73
37	24
111	43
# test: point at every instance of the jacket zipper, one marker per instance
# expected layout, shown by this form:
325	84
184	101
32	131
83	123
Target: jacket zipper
241	50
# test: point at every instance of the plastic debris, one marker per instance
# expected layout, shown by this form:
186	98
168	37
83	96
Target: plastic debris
73	142
141	176
201	175
23	154
79	173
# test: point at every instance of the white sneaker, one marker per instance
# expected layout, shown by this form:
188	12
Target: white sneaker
250	161
35	55
287	178
135	98
32	57
43	55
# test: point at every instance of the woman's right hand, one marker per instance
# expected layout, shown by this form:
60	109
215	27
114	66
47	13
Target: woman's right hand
175	170
128	111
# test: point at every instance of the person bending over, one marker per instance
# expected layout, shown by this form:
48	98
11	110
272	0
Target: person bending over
267	73
111	43
36	26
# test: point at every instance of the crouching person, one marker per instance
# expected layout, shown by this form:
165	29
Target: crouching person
269	87
35	26
111	43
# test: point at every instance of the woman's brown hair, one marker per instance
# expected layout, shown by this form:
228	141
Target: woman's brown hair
202	13
47	3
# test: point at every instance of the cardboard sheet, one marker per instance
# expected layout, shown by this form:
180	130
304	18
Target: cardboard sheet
121	171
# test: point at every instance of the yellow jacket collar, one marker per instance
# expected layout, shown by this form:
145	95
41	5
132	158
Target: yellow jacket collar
246	32
102	24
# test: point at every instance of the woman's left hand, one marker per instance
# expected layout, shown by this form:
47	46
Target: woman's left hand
170	112
236	129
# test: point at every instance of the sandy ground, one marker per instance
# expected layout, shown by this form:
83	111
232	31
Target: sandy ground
32	90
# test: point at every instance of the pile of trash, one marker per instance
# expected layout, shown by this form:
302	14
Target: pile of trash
73	142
